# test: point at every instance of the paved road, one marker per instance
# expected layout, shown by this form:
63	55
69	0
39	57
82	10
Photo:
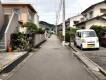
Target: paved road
52	62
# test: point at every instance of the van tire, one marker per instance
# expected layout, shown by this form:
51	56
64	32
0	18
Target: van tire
81	48
75	43
97	48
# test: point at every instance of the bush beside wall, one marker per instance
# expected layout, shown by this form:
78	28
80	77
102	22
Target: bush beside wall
20	41
69	35
98	29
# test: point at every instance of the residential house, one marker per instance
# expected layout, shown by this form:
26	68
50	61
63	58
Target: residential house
94	15
26	12
67	23
75	20
14	16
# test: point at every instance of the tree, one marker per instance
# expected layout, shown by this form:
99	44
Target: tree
31	27
98	29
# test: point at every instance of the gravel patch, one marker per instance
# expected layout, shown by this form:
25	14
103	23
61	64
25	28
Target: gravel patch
98	57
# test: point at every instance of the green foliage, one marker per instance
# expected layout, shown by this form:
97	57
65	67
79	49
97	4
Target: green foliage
99	29
70	34
40	31
31	27
20	41
59	34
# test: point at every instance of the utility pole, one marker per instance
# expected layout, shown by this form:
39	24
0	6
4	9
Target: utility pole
63	29
56	23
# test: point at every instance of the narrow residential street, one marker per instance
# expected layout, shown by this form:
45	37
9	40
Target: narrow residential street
52	62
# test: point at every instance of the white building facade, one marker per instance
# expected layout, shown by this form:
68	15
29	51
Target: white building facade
94	15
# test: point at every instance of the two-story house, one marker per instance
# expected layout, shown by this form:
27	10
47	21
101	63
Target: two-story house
75	20
94	15
14	16
26	12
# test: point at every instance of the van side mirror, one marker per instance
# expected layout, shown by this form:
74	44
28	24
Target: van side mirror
79	35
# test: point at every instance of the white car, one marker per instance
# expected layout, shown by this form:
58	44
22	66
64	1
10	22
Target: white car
86	38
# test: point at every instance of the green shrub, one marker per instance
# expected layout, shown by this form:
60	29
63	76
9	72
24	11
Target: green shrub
70	34
31	27
20	41
99	29
67	36
59	34
40	31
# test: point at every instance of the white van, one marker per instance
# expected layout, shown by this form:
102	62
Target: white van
86	38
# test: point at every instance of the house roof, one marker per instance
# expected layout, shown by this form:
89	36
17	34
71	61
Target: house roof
95	18
20	4
76	16
93	6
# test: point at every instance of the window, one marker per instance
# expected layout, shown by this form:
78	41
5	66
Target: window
82	19
76	22
88	34
17	10
78	34
91	14
30	15
85	15
103	10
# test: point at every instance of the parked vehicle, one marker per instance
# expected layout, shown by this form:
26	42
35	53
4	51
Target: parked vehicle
103	39
86	38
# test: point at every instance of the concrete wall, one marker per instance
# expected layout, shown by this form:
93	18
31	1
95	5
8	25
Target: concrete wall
39	38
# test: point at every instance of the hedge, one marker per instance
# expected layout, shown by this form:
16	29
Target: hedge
99	29
69	34
20	41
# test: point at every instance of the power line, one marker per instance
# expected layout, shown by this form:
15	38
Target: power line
58	13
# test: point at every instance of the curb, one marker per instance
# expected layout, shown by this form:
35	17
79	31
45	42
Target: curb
88	62
13	61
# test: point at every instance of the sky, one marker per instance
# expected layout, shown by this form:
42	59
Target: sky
47	8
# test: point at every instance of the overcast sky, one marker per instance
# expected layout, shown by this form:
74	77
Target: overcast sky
47	8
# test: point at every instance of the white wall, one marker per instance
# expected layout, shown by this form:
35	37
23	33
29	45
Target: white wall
75	18
39	38
97	9
36	20
95	22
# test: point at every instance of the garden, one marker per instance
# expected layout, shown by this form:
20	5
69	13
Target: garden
24	41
